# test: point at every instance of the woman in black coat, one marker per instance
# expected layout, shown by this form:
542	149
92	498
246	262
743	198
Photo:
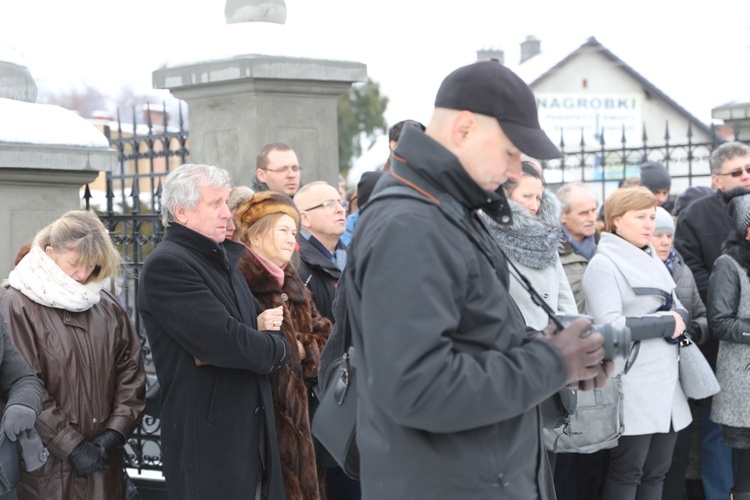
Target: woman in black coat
729	322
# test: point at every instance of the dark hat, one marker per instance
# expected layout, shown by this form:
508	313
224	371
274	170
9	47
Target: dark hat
738	206
655	176
689	196
265	203
365	186
491	89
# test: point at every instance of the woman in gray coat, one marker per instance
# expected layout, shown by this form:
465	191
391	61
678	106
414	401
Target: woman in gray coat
627	285
729	320
531	241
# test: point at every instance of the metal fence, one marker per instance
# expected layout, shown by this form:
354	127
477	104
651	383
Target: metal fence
128	203
130	208
603	166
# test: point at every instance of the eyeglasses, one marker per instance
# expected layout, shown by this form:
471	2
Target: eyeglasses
284	170
738	172
330	204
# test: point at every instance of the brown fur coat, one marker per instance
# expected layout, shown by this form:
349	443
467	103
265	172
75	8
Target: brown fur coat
301	322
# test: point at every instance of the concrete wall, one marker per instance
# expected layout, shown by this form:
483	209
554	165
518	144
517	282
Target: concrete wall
237	105
38	183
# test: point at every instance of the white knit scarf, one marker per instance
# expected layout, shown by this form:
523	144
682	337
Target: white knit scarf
41	280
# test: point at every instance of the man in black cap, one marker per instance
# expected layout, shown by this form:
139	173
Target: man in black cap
450	381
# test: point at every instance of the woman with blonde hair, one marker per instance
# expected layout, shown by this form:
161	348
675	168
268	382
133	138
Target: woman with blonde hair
627	285
80	342
267	224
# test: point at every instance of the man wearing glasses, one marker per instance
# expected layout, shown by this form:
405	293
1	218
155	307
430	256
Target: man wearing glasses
323	255
700	233
277	169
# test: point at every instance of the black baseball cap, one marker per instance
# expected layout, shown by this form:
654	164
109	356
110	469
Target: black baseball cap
491	89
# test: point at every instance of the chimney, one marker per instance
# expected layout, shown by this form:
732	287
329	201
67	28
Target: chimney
529	48
489	54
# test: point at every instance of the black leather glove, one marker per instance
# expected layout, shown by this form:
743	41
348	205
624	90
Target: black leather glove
86	458
108	442
17	418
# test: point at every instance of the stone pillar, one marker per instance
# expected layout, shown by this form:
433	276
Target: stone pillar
237	105
47	154
39	183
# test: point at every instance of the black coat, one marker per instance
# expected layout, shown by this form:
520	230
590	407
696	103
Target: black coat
449	381
320	275
197	309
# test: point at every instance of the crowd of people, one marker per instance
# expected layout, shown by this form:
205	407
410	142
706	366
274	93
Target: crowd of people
464	368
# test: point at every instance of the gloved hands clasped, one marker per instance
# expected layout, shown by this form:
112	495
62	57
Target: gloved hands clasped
108	442
92	456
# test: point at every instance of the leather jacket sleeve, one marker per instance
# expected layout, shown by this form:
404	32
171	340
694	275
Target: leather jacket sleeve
724	293
129	402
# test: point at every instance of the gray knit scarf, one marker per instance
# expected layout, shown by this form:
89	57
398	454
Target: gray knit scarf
531	240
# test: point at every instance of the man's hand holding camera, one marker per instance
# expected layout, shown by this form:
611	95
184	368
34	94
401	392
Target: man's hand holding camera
584	355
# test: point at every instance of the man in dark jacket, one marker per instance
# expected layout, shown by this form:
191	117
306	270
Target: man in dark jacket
449	380
701	230
212	349
323	255
277	169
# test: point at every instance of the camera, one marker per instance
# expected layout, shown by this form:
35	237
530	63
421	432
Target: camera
617	342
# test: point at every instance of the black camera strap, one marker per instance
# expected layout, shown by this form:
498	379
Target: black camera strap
455	213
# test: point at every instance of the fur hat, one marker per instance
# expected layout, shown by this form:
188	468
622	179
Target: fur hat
664	222
654	176
738	206
265	203
689	196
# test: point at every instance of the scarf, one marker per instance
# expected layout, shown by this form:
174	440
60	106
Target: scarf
276	272
41	280
640	266
670	260
531	240
586	248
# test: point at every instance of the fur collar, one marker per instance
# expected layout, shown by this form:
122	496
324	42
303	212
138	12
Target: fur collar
531	240
738	248
261	281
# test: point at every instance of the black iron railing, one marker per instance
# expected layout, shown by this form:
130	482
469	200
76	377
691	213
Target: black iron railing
129	204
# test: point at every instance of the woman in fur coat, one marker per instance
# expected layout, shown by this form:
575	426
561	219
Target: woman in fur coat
729	321
267	224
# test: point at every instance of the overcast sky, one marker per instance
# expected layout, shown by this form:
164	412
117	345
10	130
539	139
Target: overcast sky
697	53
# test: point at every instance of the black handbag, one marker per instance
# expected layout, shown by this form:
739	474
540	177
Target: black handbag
323	458
10	464
335	421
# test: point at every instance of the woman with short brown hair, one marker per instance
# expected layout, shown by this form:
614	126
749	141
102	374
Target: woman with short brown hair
627	285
